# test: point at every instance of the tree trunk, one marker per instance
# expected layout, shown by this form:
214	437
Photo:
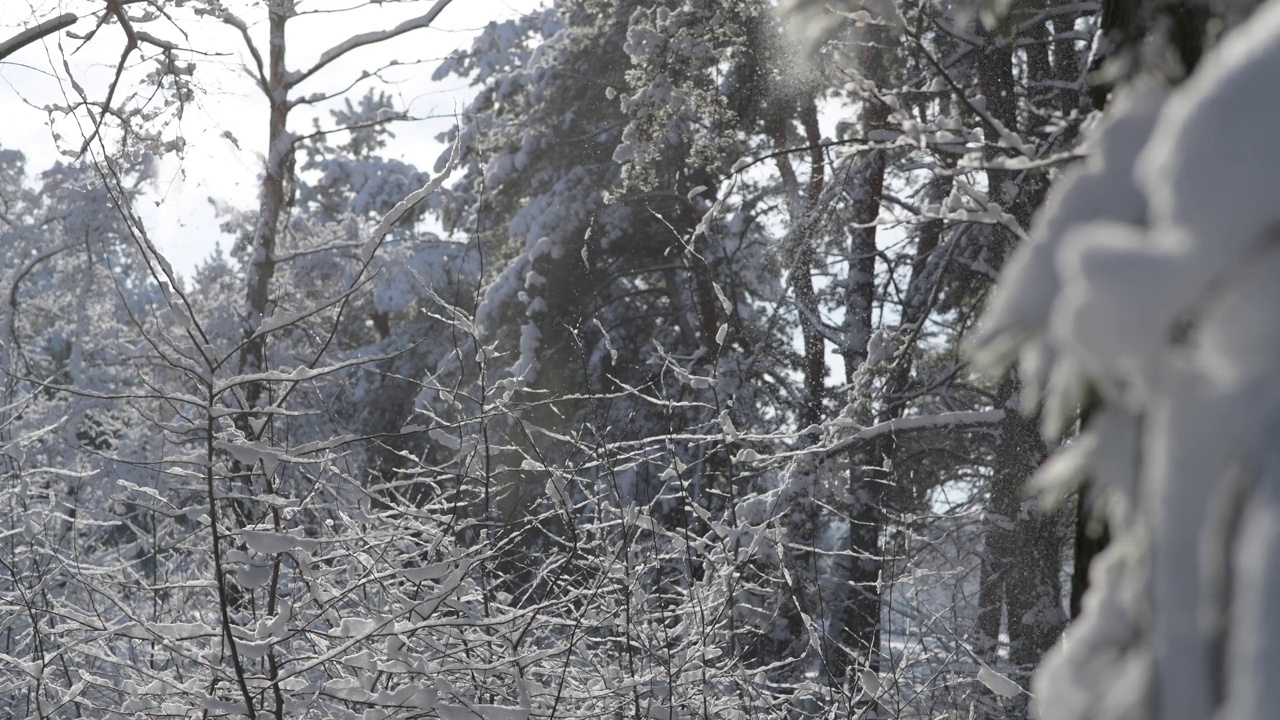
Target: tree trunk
261	269
1020	581
860	614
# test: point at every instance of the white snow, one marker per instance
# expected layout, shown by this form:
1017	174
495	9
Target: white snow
1152	278
270	542
1102	188
997	683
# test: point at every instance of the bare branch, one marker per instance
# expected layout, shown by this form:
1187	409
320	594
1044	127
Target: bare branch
238	24
131	44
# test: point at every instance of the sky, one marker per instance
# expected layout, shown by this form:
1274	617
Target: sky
177	211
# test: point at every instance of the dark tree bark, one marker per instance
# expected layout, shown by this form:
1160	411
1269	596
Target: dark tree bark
1020	575
860	615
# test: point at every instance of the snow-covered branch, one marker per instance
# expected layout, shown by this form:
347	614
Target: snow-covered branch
365	39
31	34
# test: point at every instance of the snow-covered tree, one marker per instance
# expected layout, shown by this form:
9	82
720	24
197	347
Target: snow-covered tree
674	418
1144	297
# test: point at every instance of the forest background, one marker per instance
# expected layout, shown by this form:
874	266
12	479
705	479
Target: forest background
660	395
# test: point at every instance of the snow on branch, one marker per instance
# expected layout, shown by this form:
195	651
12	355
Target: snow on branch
407	204
918	422
369	38
30	35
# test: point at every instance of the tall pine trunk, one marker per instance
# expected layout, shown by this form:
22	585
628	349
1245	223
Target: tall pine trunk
860	615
